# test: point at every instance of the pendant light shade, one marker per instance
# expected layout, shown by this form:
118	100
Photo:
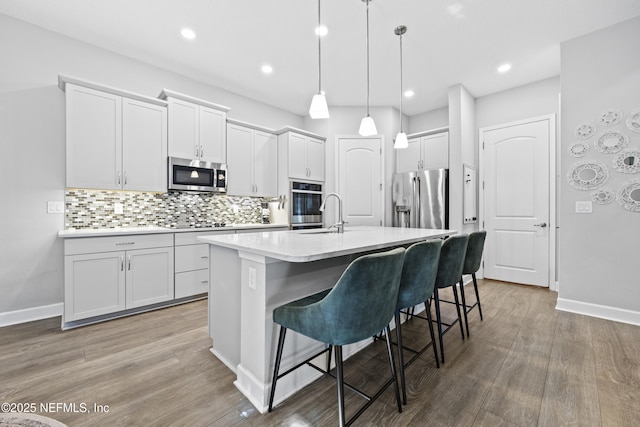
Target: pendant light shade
319	108
401	140
367	125
401	137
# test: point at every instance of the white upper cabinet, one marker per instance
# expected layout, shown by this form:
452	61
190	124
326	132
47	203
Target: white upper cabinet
144	138
115	140
197	128
305	154
252	161
424	152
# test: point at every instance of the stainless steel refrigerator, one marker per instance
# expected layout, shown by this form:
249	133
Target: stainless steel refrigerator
421	199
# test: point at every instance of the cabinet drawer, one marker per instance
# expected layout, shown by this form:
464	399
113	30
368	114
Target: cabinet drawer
191	237
85	245
191	283
192	257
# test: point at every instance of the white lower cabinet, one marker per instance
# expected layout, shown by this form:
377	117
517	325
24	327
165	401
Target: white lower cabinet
192	263
104	275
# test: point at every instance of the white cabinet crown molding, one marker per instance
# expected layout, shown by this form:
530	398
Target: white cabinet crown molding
166	93
301	132
63	80
250	125
428	132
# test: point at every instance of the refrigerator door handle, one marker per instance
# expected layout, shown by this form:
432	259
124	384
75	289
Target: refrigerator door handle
418	205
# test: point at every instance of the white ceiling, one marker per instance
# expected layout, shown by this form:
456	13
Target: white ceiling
447	42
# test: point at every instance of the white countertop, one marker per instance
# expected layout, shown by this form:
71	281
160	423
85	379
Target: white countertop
316	244
100	232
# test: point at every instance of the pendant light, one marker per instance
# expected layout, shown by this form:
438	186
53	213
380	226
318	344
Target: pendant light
367	125
401	137
318	108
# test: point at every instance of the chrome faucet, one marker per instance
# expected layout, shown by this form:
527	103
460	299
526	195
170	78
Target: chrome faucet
340	224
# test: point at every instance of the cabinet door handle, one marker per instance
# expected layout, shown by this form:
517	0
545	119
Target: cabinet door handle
204	257
118	178
201	151
196	150
126	178
129	259
122	263
204	281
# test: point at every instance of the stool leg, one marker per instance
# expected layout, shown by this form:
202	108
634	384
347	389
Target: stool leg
340	384
393	367
439	322
427	306
283	332
455	297
329	358
475	287
400	356
464	306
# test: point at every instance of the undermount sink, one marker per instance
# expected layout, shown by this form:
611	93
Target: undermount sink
320	231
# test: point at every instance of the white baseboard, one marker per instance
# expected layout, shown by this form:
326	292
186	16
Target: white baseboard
600	311
30	314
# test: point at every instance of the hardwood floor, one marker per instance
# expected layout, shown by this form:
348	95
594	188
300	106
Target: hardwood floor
526	364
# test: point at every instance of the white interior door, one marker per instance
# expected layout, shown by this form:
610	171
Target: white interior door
517	195
360	180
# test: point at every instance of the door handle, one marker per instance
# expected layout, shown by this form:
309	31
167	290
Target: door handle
541	225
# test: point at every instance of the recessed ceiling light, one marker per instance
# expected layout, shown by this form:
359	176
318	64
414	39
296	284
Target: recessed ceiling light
409	93
321	31
267	69
188	33
504	68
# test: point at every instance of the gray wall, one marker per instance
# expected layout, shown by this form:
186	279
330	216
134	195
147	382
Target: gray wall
32	145
598	253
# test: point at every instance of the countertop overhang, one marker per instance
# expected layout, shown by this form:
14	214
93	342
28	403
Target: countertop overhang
317	244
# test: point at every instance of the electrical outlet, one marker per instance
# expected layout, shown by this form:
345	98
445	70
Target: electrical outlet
584	207
118	208
252	278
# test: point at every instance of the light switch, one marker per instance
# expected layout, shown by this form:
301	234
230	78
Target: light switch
584	207
55	207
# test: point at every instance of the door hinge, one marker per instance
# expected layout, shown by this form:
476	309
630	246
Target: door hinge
380	186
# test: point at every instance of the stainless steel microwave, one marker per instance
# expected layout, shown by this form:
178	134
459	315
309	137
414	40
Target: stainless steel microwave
197	175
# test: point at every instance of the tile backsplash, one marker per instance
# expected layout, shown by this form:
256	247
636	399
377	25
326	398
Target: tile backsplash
97	209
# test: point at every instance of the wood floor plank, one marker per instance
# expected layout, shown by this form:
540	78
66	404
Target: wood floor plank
616	348
525	364
571	393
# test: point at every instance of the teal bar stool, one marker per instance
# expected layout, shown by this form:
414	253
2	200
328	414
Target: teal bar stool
362	303
416	287
472	260
450	266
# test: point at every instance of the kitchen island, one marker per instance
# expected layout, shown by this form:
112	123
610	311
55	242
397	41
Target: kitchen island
251	274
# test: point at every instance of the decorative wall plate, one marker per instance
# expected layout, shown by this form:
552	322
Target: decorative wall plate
610	117
585	131
629	195
578	149
587	175
627	161
633	121
611	142
603	196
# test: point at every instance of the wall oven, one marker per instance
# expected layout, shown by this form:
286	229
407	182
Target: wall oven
196	175
306	199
